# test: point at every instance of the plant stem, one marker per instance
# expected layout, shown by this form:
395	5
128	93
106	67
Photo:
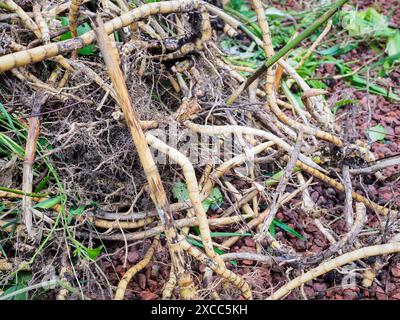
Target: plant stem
290	45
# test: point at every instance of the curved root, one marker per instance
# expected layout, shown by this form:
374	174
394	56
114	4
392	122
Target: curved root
119	295
325	267
222	272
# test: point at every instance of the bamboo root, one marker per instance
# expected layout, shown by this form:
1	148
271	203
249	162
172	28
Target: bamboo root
72	16
338	186
43	27
325	267
219	130
222	272
193	190
119	295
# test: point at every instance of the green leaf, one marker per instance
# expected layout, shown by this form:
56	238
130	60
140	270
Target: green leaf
277	176
272	229
344	102
200	245
286	228
393	44
15	222
20	296
274	12
180	191
377	133
11	145
366	23
338	49
49	203
94	253
85	252
214	201
42	184
22	280
234	262
77	211
9	118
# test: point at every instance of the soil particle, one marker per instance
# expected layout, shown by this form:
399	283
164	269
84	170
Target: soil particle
133	256
249	242
380	293
142	280
395	271
148	295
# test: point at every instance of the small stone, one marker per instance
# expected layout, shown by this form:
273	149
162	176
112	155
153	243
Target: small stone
396	296
153	285
300	245
249	242
142	280
155	268
386	196
311	228
395	271
330	68
247	262
280	215
133	256
202	268
380	294
316	249
147	295
120	269
319	242
319	286
248	249
309	291
349	294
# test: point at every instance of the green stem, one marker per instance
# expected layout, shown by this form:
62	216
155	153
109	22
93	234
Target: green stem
16	191
290	45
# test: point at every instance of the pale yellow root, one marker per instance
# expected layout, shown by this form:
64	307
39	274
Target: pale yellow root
270	79
209	181
256	221
169	286
44	28
325	267
315	105
315	43
72	16
222	272
100	223
26	20
338	186
105	224
193	190
219	130
119	295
